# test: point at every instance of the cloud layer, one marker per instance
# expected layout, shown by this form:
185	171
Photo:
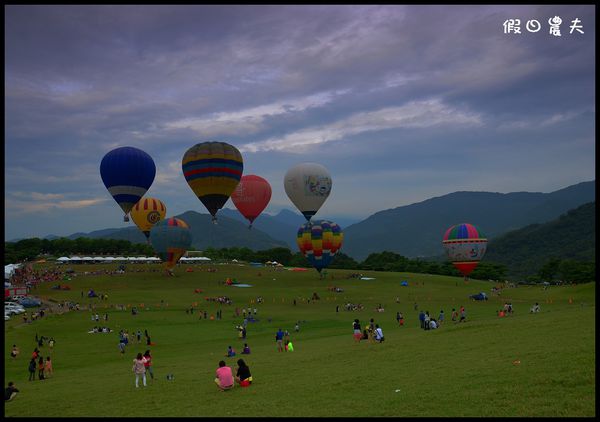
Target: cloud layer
400	103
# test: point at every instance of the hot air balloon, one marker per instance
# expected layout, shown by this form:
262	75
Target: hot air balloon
127	173
319	242
465	245
146	213
213	170
251	196
170	239
307	185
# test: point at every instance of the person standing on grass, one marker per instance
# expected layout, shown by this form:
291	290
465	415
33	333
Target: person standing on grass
422	319
148	363
463	314
279	340
139	369
224	377
48	371
441	317
41	368
379	334
454	315
32	369
356	331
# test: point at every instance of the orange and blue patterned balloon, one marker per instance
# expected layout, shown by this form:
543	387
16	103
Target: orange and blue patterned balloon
465	246
213	171
170	238
127	173
319	241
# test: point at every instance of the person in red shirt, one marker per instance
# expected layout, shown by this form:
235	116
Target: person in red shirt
224	379
148	363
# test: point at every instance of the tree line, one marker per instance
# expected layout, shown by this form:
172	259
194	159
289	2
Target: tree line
554	269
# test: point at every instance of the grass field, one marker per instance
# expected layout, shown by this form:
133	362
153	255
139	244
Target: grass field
458	370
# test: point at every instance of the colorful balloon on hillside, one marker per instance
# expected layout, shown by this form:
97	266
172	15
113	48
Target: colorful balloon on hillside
127	173
146	213
319	242
307	185
170	238
465	246
251	196
213	170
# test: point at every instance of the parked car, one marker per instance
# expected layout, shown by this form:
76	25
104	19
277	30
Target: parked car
29	302
13	309
6	317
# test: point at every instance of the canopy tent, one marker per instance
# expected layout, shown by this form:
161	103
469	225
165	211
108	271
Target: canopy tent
63	259
9	270
75	258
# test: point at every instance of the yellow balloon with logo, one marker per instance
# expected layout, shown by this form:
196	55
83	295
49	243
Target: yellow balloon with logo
146	213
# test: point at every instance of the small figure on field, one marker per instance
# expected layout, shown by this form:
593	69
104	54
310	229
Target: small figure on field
279	340
139	369
289	347
422	319
14	352
41	368
246	350
48	371
230	352
454	315
463	314
441	317
379	334
32	369
535	308
148	363
10	392
224	377
356	331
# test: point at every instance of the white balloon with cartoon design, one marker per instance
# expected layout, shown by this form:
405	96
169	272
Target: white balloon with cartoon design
308	186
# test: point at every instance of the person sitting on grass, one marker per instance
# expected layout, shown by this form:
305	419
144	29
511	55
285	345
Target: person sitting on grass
230	352
224	378
10	392
535	308
243	376
246	350
433	324
379	334
15	351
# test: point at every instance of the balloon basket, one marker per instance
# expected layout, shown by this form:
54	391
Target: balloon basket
126	218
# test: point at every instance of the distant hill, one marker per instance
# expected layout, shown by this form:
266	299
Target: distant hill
524	251
416	230
226	233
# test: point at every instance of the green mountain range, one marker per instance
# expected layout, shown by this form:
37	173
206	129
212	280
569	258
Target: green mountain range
570	237
416	230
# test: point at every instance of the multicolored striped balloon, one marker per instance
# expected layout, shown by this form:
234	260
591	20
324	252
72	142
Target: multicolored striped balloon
319	242
127	173
146	213
465	246
170	238
213	170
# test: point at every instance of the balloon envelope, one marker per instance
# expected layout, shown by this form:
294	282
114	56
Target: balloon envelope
127	173
213	170
147	212
319	242
465	246
170	239
307	185
251	196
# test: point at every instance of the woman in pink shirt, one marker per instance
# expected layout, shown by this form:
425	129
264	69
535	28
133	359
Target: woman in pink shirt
139	368
224	379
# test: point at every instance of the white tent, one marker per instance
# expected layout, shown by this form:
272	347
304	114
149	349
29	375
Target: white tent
109	258
75	258
63	259
99	258
120	258
87	258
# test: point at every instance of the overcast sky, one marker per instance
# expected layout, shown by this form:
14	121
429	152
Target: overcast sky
400	103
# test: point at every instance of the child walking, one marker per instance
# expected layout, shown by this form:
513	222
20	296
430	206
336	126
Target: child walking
148	363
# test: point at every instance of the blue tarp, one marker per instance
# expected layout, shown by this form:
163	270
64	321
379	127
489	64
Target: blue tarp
404	283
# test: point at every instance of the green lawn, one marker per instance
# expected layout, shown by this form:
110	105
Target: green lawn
462	369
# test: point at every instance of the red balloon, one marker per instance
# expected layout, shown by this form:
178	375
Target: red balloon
251	196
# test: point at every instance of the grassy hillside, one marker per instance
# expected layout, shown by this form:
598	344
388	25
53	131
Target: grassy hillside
458	370
525	251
